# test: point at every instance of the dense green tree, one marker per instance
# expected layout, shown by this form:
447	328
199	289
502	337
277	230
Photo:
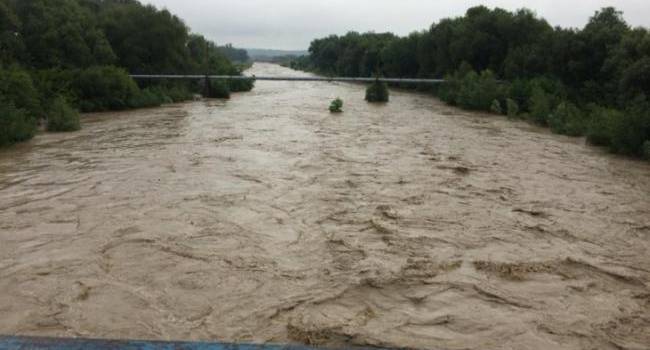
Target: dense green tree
62	117
61	33
11	44
59	55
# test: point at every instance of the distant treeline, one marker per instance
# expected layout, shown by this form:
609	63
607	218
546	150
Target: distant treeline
60	56
593	81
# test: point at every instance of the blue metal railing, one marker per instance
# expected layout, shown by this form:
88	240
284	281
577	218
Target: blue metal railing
43	343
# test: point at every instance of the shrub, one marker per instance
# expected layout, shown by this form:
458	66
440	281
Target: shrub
62	117
15	124
52	83
148	97
448	92
17	87
377	92
336	106
646	150
20	106
477	92
242	85
104	88
178	93
520	92
496	107
541	105
630	132
567	119
217	89
512	108
600	126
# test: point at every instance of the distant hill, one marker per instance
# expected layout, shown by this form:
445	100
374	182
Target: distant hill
268	54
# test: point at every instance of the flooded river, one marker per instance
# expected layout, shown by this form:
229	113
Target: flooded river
267	219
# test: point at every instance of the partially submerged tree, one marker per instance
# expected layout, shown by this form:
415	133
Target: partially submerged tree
336	106
377	92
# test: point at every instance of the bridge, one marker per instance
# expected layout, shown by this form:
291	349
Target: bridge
280	78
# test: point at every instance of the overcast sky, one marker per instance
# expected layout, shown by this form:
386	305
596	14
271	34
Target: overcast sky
292	24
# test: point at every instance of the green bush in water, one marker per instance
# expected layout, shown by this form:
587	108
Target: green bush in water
177	92
496	107
218	89
153	96
600	126
541	106
52	83
630	132
336	106
17	88
62	117
377	92
104	88
567	119
20	106
520	92
478	91
15	124
448	92
512	108
242	85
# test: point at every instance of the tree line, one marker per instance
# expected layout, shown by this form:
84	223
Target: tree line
593	81
61	56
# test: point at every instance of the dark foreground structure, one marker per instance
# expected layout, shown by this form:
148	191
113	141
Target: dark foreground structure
37	343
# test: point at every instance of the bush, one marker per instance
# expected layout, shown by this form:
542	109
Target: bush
567	119
377	92
52	83
541	105
178	93
104	88
512	108
600	126
448	92
147	98
242	85
520	91
336	106
17	87
496	107
20	106
62	117
646	150
217	89
477	92
630	132
15	124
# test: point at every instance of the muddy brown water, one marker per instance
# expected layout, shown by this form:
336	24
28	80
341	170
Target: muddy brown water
267	219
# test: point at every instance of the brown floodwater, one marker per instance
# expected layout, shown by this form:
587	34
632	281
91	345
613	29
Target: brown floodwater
267	219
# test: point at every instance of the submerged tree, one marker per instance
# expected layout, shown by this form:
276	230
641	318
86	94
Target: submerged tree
377	92
336	106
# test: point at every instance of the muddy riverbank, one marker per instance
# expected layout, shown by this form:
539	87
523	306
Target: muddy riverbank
267	219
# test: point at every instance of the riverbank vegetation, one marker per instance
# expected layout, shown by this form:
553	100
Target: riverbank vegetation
61	56
593	81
